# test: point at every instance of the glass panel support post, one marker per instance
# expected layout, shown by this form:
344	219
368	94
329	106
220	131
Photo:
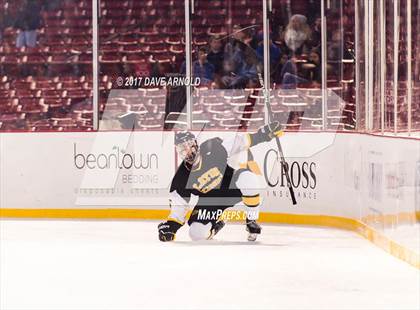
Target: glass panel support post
95	62
188	60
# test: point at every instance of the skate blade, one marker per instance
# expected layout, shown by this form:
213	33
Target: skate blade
252	237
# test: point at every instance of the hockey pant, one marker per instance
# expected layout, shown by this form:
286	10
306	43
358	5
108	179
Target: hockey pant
245	188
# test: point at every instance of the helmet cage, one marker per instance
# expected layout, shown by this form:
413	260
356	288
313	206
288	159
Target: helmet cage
188	150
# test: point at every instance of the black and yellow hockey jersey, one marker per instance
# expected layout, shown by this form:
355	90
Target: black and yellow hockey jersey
211	177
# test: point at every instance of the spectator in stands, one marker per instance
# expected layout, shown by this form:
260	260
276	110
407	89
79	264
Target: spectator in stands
250	38
244	51
277	70
275	51
234	49
238	33
237	75
335	48
202	68
250	53
215	56
310	72
28	21
316	33
278	37
298	34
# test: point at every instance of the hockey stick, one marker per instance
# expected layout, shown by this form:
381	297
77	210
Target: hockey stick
270	118
280	150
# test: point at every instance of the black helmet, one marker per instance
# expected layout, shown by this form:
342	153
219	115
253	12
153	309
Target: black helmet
187	146
183	136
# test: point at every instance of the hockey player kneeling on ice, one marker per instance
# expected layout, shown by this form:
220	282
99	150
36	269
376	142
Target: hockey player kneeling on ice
205	173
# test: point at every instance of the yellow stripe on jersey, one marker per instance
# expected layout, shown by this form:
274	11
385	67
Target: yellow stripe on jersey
251	201
249	138
252	165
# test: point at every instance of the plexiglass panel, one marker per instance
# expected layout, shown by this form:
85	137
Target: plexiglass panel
46	65
389	82
227	41
361	60
296	64
141	46
402	104
415	65
376	68
340	65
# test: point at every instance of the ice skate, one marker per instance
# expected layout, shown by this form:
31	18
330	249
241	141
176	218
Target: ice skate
216	228
253	229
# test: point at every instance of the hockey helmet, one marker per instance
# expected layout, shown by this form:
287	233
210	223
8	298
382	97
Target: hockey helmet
187	146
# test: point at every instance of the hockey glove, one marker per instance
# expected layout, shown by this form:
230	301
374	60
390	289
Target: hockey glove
266	133
167	230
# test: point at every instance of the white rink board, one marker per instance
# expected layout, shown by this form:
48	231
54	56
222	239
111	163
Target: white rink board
82	170
349	175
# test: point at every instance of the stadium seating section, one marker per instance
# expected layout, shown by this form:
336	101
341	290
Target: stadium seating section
49	87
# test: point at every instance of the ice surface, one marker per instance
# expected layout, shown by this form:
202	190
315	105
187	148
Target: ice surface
122	265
